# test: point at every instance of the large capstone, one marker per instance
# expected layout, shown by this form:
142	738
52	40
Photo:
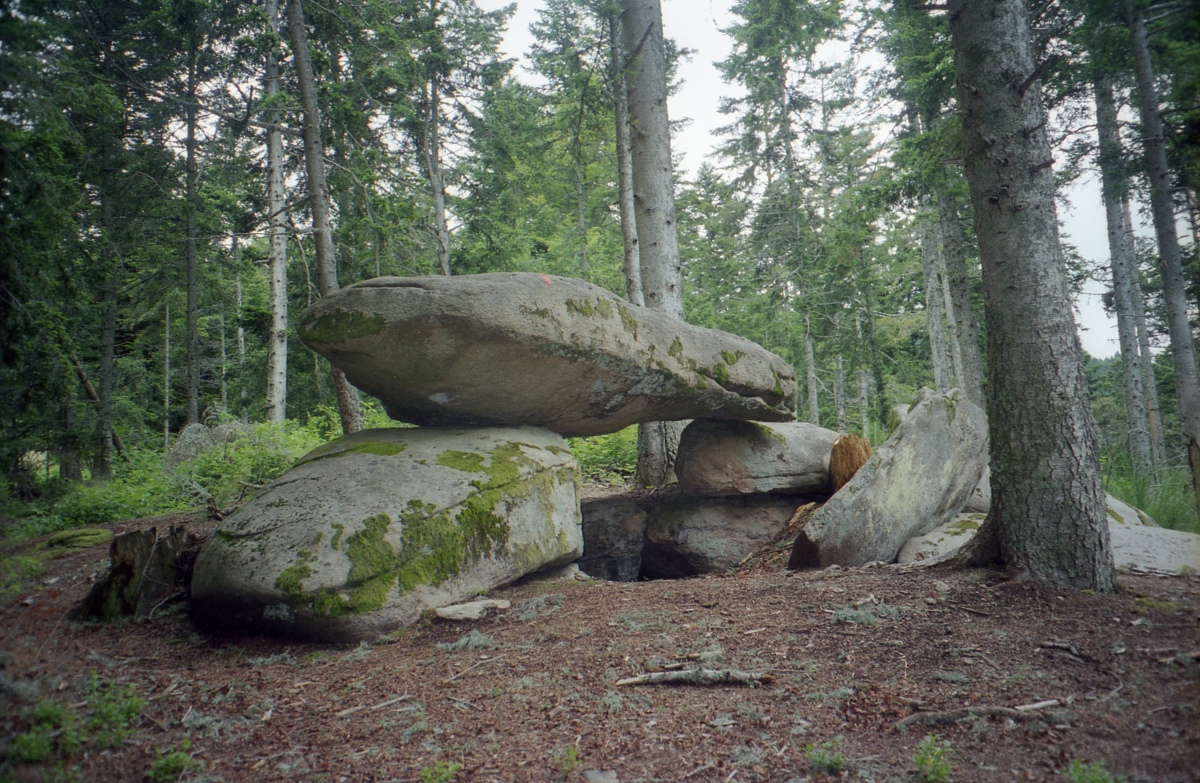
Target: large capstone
917	481
532	349
370	530
747	458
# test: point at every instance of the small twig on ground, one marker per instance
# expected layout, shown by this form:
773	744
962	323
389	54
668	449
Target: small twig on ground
157	606
390	702
698	677
1037	705
466	704
351	710
475	666
969	610
698	770
953	716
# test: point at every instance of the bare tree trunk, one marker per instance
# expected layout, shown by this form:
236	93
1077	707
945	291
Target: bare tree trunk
432	141
318	196
1183	348
1149	384
1114	191
192	331
1047	502
277	343
654	200
810	373
167	379
935	300
629	240
839	395
963	317
580	219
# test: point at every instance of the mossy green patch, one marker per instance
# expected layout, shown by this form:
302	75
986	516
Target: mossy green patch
583	307
466	461
604	308
778	390
291	580
338	530
676	349
720	374
338	449
341	325
79	538
731	357
627	320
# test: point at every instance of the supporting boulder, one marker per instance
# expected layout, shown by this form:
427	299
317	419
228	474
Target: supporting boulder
531	349
747	458
689	535
370	530
614	529
916	481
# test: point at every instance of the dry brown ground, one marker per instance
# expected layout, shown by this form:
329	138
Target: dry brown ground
542	704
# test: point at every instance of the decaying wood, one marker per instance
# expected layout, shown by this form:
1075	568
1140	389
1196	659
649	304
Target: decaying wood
849	453
148	568
699	677
1026	712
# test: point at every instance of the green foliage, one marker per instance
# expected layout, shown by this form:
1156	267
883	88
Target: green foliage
53	732
932	766
441	772
14	572
171	765
470	641
825	758
607	458
113	708
568	761
1167	497
1078	772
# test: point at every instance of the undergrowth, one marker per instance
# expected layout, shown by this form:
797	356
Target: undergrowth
607	458
1166	496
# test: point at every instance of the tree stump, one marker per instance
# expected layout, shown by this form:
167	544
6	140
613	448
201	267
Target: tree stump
148	568
849	454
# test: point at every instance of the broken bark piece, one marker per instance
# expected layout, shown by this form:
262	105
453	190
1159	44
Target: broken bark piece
849	453
699	677
148	568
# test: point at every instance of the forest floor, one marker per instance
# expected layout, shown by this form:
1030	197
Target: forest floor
863	664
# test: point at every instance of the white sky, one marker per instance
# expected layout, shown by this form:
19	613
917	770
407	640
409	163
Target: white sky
698	24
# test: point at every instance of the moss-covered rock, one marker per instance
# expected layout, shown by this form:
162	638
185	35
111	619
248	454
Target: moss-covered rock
744	457
530	349
372	529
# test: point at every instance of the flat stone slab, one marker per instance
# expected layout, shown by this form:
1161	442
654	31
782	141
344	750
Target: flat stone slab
370	530
1154	549
472	610
533	349
746	458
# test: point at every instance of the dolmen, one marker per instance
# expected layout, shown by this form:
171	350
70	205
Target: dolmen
366	533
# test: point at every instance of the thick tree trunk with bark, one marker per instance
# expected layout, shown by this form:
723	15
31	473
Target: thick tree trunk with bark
963	320
810	373
935	300
277	342
432	153
1149	384
1158	176
318	196
1114	192
629	239
1047	501
654	202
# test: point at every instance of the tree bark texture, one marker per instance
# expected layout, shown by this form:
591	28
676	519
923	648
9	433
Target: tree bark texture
654	203
810	373
963	318
192	315
935	300
432	141
1046	493
318	196
277	343
1158	176
629	238
1114	192
1149	383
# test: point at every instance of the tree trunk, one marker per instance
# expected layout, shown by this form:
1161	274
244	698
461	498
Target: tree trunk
1183	349
629	240
192	332
1114	192
1149	384
1046	495
277	344
963	317
432	141
839	395
167	378
935	300
810	373
654	203
318	196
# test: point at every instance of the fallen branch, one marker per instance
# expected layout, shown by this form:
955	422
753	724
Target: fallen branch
953	716
475	666
698	677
